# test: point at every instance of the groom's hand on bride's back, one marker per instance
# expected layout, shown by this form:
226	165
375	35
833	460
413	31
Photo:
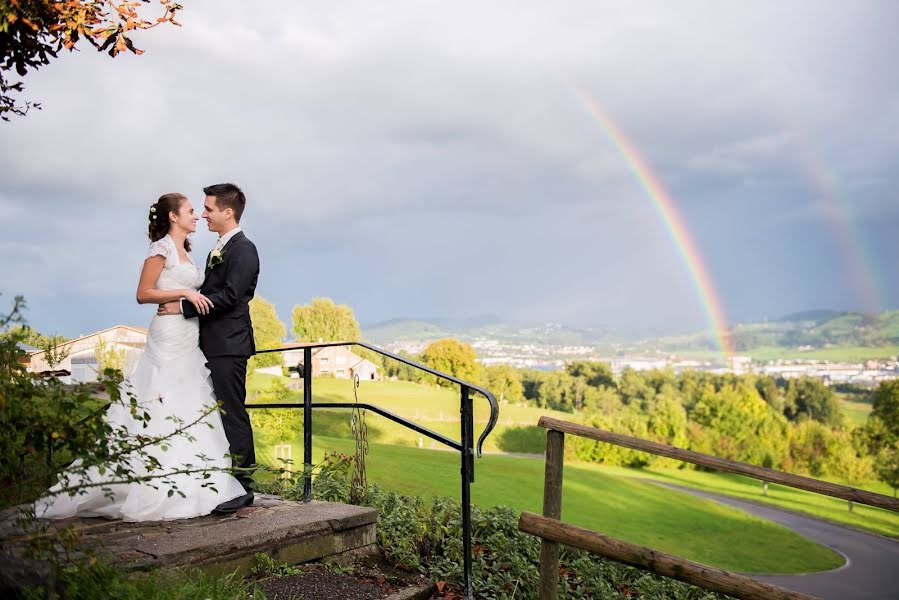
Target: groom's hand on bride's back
175	307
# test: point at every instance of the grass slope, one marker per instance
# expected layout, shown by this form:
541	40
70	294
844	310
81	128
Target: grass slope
856	411
833	509
437	409
433	407
616	505
837	353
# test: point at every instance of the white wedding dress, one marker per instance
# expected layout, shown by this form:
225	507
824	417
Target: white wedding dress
170	380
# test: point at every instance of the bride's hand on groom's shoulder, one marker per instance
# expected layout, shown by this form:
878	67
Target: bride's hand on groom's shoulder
200	302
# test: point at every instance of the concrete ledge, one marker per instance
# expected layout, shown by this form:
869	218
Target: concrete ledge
291	532
421	591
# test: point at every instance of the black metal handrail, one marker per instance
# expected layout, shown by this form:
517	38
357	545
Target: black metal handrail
465	446
494	406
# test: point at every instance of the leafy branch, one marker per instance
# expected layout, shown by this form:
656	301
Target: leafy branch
33	32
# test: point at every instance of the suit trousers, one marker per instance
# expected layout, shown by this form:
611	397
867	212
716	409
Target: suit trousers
229	380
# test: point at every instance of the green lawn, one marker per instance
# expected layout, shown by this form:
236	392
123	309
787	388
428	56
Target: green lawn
856	411
433	407
437	408
838	354
612	503
877	520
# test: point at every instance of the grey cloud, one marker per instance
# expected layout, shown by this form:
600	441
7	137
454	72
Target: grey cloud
379	141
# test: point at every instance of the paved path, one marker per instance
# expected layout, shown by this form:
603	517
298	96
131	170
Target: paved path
870	573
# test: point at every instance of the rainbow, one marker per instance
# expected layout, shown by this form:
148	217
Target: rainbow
859	262
670	217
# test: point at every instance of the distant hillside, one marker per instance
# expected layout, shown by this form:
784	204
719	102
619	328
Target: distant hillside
487	327
806	330
403	330
802	331
815	316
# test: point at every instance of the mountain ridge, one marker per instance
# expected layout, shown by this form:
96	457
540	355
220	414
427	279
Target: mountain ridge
817	328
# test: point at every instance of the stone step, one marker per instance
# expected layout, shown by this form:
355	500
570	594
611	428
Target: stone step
290	532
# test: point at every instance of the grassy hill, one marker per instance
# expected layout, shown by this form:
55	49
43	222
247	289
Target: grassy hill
516	431
434	407
617	505
394	330
492	328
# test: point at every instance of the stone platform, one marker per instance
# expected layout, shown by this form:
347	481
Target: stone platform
291	532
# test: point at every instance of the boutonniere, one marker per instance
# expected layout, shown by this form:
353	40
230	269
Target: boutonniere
216	257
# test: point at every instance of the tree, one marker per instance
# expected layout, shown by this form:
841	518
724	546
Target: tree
770	393
35	338
596	374
108	357
32	32
634	389
809	397
402	371
886	408
324	320
887	467
268	332
505	383
454	358
532	385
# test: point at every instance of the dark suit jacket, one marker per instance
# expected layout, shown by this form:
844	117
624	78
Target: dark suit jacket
227	330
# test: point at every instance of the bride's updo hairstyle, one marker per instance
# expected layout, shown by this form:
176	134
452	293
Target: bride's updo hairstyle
159	216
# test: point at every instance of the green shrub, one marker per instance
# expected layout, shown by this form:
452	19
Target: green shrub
426	535
528	439
100	581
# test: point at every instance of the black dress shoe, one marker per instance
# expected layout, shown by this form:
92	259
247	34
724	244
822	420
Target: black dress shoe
231	506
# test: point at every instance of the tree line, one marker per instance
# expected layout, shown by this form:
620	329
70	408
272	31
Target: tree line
796	425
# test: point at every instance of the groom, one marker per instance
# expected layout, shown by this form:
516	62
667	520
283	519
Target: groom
226	334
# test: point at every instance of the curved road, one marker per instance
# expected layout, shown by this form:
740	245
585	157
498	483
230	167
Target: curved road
871	571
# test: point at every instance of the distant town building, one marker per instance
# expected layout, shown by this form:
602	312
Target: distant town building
25	352
81	360
739	364
334	361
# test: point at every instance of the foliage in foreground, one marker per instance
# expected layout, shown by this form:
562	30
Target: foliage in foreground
33	33
426	535
100	581
44	427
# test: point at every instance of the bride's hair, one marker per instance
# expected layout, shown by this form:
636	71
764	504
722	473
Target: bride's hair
159	216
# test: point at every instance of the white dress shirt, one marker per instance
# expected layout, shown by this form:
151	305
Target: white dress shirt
224	239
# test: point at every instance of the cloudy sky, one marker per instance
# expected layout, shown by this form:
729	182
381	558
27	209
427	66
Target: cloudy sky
432	159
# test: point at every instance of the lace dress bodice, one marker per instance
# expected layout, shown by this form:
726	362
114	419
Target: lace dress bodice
175	275
171	336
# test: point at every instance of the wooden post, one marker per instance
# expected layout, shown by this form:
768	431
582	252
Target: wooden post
552	508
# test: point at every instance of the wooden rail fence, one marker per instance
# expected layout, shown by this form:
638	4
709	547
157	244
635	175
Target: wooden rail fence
553	531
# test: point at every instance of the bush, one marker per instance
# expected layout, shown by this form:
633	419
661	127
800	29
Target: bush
426	535
528	439
42	419
100	581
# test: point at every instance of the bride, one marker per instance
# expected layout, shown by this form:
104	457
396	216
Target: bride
171	383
